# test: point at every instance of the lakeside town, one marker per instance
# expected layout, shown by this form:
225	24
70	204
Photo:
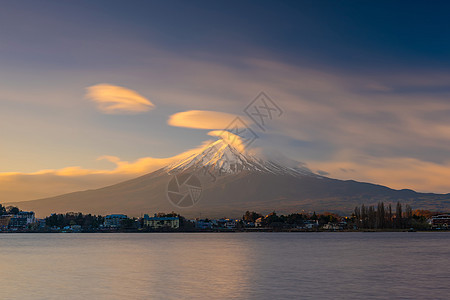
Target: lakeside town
370	218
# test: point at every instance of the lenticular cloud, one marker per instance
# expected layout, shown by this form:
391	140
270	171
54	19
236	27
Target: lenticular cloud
111	99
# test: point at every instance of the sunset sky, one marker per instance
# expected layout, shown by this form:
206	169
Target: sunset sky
95	92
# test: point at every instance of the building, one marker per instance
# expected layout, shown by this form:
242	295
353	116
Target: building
4	221
161	222
225	223
41	223
29	215
76	228
249	224
114	221
259	222
22	219
309	224
203	224
440	221
332	226
231	224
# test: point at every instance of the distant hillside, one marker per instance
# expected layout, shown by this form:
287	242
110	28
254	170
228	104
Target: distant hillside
232	195
232	182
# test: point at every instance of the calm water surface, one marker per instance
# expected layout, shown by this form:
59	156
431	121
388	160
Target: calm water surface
225	265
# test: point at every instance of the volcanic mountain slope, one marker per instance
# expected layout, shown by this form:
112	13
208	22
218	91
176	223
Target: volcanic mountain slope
231	181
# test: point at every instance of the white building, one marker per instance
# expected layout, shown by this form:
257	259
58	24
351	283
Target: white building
161	222
22	219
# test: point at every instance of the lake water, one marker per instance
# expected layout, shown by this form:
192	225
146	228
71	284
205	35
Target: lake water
225	265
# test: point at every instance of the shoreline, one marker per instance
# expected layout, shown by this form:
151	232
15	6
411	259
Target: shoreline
224	231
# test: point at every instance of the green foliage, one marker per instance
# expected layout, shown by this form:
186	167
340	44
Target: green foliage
420	223
297	219
2	210
327	218
9	210
287	221
382	217
85	221
273	218
169	215
250	216
128	223
12	210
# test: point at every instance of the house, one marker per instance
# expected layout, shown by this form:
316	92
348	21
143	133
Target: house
331	226
41	223
309	224
114	221
225	223
231	224
249	224
4	221
76	228
440	221
203	224
29	215
259	222
161	222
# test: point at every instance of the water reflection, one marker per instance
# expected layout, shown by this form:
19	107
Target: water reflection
218	266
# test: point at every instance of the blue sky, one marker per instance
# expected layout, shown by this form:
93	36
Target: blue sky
364	87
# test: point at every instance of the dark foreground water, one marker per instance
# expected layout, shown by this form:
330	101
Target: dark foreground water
225	265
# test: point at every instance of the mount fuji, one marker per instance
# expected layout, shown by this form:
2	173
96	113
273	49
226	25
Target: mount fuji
223	179
223	158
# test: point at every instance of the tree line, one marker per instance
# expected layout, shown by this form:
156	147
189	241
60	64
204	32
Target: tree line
9	210
71	218
294	219
383	216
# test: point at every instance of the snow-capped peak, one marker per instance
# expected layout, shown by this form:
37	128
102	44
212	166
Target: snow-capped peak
223	157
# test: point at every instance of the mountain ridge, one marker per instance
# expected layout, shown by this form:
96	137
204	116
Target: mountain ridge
231	182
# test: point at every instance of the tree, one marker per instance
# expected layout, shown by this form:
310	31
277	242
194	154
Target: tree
408	212
357	214
13	210
2	210
399	215
426	213
390	216
250	216
371	216
408	215
273	218
326	218
297	219
71	218
380	216
364	223
128	223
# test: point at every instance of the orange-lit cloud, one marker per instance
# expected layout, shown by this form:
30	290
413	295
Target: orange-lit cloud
202	119
16	186
394	172
229	138
327	111
112	99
